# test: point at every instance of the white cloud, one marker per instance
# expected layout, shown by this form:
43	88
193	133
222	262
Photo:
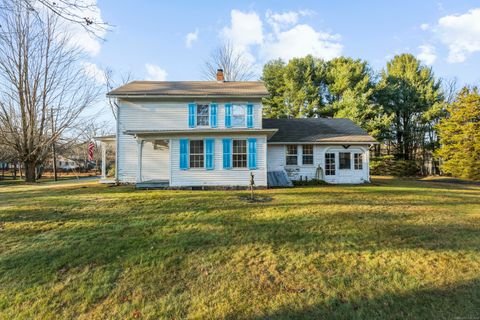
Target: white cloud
461	33
246	29
424	26
191	38
279	21
301	40
285	38
427	54
94	72
154	72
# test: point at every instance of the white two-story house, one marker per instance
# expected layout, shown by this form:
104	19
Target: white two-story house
211	133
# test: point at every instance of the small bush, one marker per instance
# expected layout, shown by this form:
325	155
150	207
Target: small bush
311	182
111	171
389	166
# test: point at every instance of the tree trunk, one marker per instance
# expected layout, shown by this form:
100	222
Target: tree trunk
30	172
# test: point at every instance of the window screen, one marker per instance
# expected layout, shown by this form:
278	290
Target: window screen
307	154
344	160
292	155
202	115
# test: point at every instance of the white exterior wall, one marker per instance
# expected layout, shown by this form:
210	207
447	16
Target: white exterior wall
163	164
218	176
276	155
170	115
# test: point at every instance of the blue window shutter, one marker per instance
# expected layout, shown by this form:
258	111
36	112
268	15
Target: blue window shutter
227	155
228	115
209	154
252	153
191	114
183	154
213	115
250	115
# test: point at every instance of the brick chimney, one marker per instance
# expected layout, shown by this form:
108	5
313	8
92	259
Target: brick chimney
220	75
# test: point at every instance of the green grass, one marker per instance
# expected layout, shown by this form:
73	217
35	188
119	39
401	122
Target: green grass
395	249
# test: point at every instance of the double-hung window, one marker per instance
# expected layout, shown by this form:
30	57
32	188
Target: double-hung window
239	155
197	154
238	115
202	115
292	155
344	160
358	161
329	164
307	154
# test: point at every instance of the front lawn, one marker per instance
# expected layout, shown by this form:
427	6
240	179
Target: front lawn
400	249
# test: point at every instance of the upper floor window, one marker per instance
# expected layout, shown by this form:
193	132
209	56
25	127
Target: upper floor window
292	155
344	160
239	155
238	115
307	154
202	115
196	154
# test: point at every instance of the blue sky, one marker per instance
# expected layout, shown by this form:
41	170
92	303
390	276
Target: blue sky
149	37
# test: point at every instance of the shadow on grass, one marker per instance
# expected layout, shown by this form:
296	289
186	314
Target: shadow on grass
454	302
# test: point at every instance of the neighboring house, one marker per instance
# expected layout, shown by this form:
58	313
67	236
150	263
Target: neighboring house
67	163
211	133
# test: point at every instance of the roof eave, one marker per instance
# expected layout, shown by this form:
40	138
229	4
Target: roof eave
323	142
150	96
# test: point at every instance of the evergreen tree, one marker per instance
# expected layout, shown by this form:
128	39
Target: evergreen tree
407	91
460	136
351	95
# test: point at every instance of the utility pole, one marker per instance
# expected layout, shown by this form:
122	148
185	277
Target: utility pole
54	152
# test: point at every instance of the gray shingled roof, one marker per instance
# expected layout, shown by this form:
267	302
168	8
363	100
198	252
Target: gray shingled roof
252	89
322	130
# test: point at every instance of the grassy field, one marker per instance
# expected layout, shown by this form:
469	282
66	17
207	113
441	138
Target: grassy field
395	249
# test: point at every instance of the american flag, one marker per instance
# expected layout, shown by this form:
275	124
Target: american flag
91	147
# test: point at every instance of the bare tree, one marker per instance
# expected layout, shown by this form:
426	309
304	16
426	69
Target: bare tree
43	89
80	12
112	84
234	63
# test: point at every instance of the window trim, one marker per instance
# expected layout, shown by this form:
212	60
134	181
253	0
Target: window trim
232	116
312	155
357	165
246	155
291	155
334	167
349	160
208	115
190	153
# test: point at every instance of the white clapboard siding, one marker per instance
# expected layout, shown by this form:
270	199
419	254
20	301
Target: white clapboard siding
218	176
169	116
156	164
276	155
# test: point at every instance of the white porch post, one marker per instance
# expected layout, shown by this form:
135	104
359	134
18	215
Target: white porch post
104	160
139	159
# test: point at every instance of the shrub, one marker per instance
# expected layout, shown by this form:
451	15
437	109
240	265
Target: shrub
111	171
311	182
390	166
